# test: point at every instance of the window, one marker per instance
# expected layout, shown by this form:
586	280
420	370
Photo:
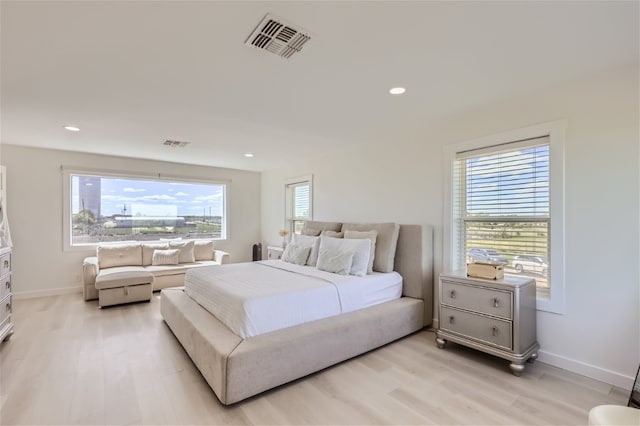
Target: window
504	201
104	208
298	200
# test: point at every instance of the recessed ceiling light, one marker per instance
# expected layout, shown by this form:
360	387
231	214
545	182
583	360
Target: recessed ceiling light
248	154
72	128
397	90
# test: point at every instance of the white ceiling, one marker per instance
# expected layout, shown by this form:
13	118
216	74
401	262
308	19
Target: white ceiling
131	74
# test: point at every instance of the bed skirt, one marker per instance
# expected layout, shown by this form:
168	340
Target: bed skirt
237	369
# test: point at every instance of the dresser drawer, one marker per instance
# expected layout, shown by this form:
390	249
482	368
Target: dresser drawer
5	264
5	308
487	330
5	287
478	299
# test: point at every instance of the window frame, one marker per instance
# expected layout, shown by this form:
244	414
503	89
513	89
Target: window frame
555	131
68	171
289	219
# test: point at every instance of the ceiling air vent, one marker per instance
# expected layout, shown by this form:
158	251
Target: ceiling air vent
175	144
278	36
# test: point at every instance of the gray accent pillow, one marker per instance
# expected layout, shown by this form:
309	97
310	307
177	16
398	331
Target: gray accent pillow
372	236
307	241
332	234
335	260
386	242
294	253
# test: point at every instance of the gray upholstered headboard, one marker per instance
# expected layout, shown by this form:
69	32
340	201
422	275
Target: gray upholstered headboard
413	260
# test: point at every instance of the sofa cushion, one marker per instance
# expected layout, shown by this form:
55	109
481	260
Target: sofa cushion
162	270
203	250
186	250
123	276
148	249
111	255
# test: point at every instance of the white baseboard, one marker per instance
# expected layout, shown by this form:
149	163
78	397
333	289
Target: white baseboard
49	292
588	370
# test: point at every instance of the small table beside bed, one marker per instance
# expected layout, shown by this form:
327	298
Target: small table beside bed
288	332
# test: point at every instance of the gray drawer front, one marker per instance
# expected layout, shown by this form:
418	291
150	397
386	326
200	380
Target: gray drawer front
483	329
5	308
5	264
5	287
478	299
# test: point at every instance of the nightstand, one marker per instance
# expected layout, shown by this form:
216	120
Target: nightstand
274	252
494	316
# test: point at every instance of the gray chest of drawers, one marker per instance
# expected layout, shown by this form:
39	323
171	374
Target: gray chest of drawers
494	316
6	325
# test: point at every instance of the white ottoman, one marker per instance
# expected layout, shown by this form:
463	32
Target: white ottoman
614	415
123	285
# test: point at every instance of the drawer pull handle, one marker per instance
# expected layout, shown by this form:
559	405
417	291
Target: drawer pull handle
8	285
8	307
6	264
452	319
494	331
452	294
496	302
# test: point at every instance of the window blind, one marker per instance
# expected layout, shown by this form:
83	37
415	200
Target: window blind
501	207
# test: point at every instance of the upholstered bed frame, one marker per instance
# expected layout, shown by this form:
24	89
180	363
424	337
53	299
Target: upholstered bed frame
237	369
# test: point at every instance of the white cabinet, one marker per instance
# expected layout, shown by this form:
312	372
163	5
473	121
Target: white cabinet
494	316
6	325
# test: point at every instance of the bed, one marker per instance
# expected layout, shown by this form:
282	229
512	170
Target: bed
237	368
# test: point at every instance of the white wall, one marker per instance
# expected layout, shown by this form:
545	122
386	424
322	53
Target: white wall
34	201
402	181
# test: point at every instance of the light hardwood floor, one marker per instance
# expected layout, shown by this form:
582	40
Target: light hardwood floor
70	362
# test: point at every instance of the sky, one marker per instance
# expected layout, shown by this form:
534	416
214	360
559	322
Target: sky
150	198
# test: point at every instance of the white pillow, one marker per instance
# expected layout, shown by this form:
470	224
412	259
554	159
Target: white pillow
186	250
296	254
335	260
165	257
307	241
360	249
371	235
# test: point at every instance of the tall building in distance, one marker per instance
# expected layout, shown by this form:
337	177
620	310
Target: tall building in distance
89	192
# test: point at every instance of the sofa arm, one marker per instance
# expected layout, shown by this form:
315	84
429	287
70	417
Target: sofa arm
222	257
90	270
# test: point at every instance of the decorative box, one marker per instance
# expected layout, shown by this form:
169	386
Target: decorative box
485	270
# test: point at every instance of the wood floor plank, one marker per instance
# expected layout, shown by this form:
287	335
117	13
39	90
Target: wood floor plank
70	362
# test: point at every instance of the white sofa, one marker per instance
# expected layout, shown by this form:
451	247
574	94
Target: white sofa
128	272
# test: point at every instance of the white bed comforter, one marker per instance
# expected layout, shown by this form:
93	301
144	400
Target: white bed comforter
258	297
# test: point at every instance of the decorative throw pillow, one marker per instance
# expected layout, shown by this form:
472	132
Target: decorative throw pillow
332	234
306	241
371	235
296	254
203	250
186	250
126	254
166	257
335	260
386	243
360	249
149	248
311	232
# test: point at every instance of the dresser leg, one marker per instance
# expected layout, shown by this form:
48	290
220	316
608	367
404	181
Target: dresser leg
532	358
516	369
441	342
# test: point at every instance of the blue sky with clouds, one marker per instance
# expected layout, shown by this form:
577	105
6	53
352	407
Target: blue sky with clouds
152	198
